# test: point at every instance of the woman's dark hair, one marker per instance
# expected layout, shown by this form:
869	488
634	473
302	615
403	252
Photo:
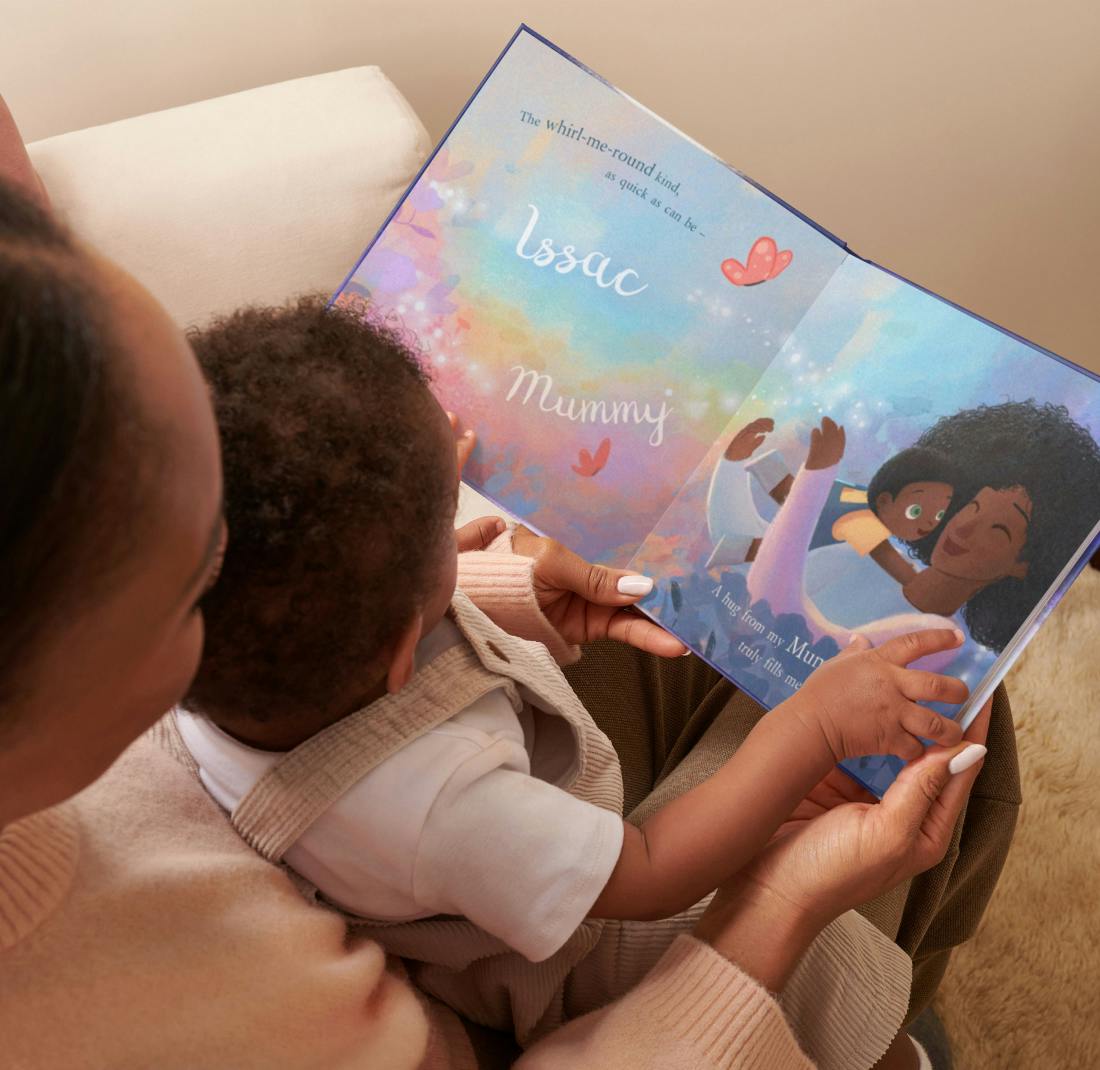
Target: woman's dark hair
916	464
337	495
1041	448
59	420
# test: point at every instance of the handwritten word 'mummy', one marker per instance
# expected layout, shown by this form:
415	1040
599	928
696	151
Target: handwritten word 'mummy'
587	410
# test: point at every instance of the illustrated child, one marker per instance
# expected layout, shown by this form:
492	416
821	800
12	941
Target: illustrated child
907	499
909	490
423	769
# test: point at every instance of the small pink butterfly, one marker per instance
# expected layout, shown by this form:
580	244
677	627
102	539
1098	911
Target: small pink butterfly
764	262
590	465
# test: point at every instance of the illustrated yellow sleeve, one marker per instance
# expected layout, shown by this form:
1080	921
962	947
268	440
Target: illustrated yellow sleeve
861	530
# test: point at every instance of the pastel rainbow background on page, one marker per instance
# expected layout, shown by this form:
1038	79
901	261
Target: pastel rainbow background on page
445	272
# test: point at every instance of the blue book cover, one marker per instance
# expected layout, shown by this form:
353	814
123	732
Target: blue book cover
668	368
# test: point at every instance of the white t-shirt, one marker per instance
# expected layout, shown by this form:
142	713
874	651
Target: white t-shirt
467	819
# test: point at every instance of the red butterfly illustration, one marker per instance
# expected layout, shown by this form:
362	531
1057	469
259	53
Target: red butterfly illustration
590	465
764	262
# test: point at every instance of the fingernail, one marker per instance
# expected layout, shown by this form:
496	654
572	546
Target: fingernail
686	654
499	526
634	585
967	757
959	637
469	434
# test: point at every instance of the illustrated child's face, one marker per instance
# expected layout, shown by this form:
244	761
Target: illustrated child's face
917	510
983	541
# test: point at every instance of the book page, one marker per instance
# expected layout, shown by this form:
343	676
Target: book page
957	483
593	293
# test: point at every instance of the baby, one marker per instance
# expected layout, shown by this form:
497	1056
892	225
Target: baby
419	766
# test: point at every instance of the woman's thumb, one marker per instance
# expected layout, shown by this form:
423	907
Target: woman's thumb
600	585
929	793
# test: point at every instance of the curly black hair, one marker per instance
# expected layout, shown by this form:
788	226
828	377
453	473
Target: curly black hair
336	498
1041	448
76	467
916	464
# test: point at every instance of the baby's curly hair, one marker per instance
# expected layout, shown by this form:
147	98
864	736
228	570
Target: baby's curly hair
913	465
337	497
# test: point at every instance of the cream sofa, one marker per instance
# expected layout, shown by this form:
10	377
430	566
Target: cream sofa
245	198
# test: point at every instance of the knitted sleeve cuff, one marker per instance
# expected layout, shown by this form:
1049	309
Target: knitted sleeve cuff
848	995
501	584
703	1001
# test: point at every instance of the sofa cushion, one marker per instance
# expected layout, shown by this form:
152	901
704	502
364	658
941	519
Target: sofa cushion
251	197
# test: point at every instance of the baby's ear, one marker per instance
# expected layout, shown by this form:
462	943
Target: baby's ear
883	500
402	660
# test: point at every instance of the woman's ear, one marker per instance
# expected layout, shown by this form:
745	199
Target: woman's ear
402	663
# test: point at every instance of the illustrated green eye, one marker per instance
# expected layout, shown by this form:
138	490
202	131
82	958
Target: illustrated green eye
940	515
912	511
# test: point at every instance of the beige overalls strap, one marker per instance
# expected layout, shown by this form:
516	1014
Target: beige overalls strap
306	781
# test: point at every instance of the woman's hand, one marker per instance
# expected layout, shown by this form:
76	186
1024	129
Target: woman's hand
841	848
838	850
585	602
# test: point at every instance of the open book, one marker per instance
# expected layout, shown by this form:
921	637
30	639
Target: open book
670	369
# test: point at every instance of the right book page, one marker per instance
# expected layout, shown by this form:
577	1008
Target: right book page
900	465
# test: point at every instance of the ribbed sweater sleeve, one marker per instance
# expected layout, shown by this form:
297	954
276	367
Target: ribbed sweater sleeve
501	584
693	1011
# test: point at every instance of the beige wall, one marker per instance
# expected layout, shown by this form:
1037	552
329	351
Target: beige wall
955	141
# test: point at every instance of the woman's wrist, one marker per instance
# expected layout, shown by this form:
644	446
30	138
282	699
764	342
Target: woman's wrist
760	931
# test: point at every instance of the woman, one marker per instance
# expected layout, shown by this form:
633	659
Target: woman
133	933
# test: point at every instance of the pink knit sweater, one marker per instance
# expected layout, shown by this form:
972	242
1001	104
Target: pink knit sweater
137	929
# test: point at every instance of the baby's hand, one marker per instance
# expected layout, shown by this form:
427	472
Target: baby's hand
464	443
864	701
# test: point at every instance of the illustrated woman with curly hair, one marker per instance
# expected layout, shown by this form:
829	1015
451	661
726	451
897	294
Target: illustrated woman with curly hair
1027	497
1031	497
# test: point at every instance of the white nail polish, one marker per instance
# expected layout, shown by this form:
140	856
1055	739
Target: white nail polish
966	758
634	585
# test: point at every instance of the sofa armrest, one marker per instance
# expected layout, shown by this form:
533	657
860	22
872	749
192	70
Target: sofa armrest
247	198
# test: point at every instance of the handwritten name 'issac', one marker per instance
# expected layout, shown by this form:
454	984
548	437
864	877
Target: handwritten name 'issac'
595	264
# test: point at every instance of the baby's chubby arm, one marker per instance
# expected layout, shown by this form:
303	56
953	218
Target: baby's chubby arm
861	702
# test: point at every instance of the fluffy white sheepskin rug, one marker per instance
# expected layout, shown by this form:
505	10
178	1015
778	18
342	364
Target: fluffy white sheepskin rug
1025	992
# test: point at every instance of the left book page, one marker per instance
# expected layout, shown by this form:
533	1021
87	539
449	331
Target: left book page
594	293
